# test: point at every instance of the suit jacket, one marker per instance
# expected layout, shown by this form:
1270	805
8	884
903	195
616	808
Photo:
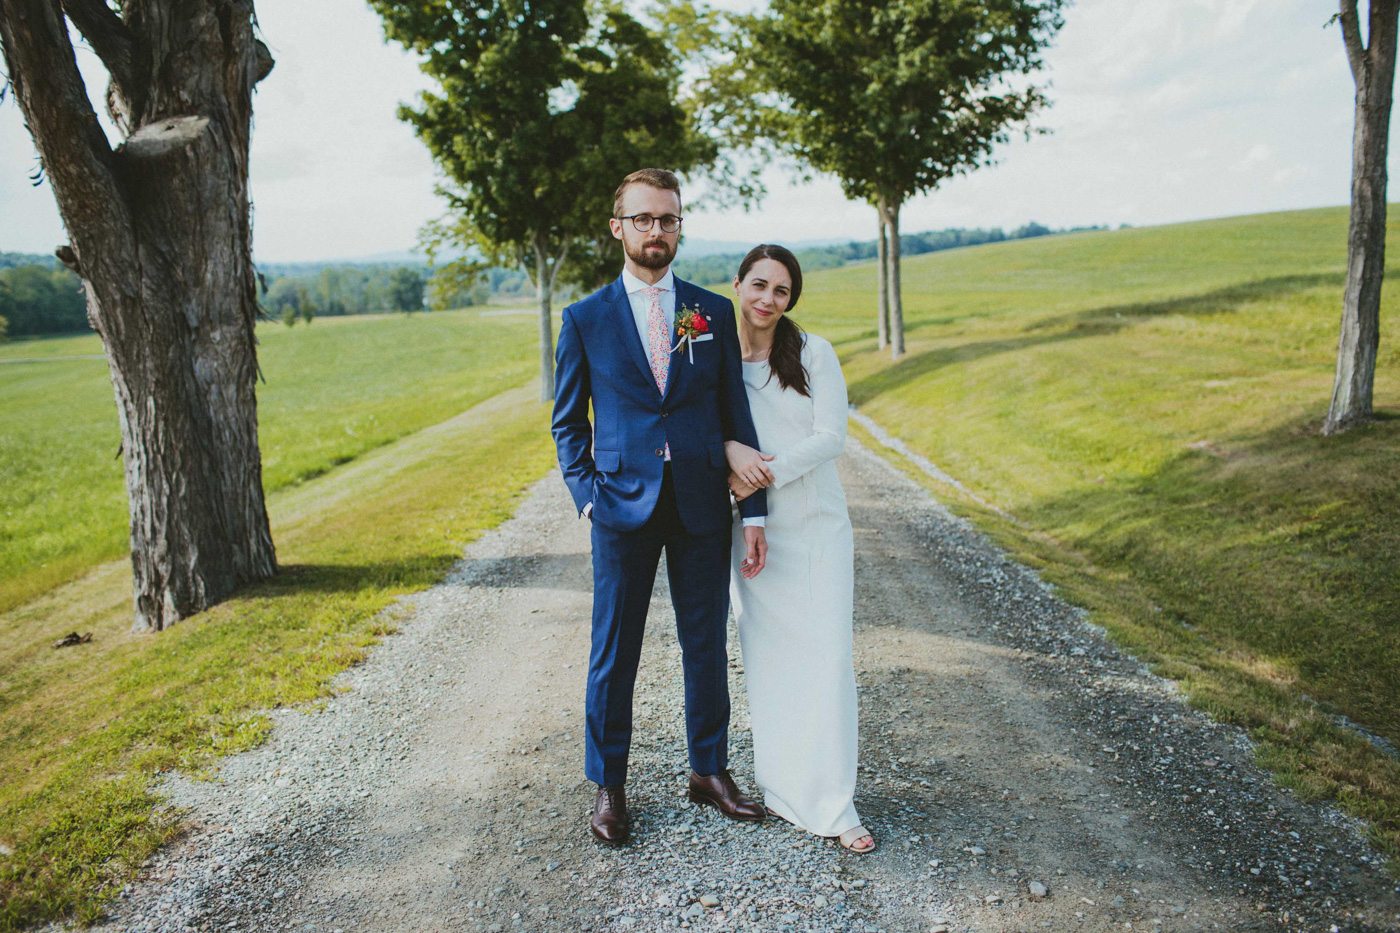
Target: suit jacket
616	462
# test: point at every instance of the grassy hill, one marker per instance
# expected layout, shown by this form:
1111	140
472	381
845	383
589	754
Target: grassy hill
1142	404
331	392
1145	404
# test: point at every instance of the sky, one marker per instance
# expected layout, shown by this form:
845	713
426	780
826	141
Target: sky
1162	111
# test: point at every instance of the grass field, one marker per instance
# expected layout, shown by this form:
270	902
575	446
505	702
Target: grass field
84	731
1143	403
333	391
1146	404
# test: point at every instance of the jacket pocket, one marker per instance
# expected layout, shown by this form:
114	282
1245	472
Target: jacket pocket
607	461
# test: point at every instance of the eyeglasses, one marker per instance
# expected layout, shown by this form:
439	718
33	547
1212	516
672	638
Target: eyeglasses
670	223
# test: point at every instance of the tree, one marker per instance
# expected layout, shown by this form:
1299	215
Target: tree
893	98
406	289
42	300
161	237
1373	71
540	108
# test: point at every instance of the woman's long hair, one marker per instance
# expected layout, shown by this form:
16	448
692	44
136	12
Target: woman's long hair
785	359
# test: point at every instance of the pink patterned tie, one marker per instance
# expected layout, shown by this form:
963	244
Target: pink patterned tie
659	336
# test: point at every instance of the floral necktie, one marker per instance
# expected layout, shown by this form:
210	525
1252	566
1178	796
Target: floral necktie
659	337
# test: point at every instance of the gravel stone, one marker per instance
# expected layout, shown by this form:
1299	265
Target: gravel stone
440	786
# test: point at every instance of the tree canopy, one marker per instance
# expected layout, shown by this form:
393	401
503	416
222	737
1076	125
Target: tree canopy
891	98
539	110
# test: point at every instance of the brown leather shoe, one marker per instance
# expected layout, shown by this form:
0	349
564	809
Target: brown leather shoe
610	822
720	791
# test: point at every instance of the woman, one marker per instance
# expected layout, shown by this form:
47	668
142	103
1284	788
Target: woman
795	616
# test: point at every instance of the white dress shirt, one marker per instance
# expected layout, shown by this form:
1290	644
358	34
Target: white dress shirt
641	309
641	305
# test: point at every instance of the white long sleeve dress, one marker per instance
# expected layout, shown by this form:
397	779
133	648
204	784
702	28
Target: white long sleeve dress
795	617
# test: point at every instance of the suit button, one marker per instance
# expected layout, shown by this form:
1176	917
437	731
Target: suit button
660	452
665	414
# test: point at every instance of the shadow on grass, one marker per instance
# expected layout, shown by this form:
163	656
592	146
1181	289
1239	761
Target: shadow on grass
550	571
302	579
1221	301
1279	551
1092	322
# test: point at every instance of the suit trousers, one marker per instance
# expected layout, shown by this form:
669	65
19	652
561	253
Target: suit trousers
624	573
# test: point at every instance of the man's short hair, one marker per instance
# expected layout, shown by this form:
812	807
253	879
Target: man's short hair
655	177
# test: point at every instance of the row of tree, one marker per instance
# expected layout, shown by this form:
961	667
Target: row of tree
331	291
36	299
720	267
536	109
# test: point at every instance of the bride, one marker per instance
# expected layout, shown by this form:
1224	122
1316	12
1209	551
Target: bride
795	616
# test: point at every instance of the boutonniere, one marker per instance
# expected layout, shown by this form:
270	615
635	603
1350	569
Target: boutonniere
692	327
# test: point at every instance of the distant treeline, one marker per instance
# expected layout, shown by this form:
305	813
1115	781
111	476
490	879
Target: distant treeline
305	290
722	267
39	296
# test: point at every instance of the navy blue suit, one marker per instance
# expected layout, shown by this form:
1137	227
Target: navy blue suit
643	505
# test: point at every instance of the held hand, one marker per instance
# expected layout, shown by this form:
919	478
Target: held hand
756	551
741	489
750	465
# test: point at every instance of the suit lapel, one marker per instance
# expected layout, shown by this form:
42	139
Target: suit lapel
675	370
626	325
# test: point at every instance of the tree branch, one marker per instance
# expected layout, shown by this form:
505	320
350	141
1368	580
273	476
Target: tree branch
49	88
1351	38
265	60
110	39
1381	29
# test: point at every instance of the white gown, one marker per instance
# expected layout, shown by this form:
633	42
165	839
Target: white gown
795	617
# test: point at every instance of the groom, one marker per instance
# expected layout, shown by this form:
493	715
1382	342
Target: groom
650	473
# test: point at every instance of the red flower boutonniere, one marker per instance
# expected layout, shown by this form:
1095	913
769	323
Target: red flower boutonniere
692	327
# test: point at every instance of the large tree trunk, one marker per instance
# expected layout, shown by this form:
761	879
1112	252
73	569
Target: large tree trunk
882	253
1373	69
889	210
161	236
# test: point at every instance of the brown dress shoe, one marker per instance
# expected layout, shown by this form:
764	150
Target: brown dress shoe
720	791
610	822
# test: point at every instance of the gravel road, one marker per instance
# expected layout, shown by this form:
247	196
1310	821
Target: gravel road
1019	773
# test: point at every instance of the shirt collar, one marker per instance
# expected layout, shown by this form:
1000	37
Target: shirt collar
631	284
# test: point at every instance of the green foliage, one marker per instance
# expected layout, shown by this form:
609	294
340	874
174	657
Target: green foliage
41	299
538	111
893	98
305	290
330	394
406	290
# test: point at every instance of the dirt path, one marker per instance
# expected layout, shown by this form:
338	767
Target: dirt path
1004	747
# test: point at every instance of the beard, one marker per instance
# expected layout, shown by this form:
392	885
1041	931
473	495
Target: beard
648	256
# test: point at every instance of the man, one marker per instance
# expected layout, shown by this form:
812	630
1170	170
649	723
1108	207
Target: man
650	473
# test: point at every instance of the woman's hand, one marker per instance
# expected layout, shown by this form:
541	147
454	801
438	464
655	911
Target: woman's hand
748	464
741	489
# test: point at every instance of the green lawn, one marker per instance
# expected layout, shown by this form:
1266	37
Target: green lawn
1146	404
333	391
1143	402
382	439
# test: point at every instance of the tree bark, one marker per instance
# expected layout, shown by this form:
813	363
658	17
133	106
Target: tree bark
882	253
889	210
161	235
1373	69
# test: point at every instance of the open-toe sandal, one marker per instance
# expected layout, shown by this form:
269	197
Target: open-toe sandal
850	837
